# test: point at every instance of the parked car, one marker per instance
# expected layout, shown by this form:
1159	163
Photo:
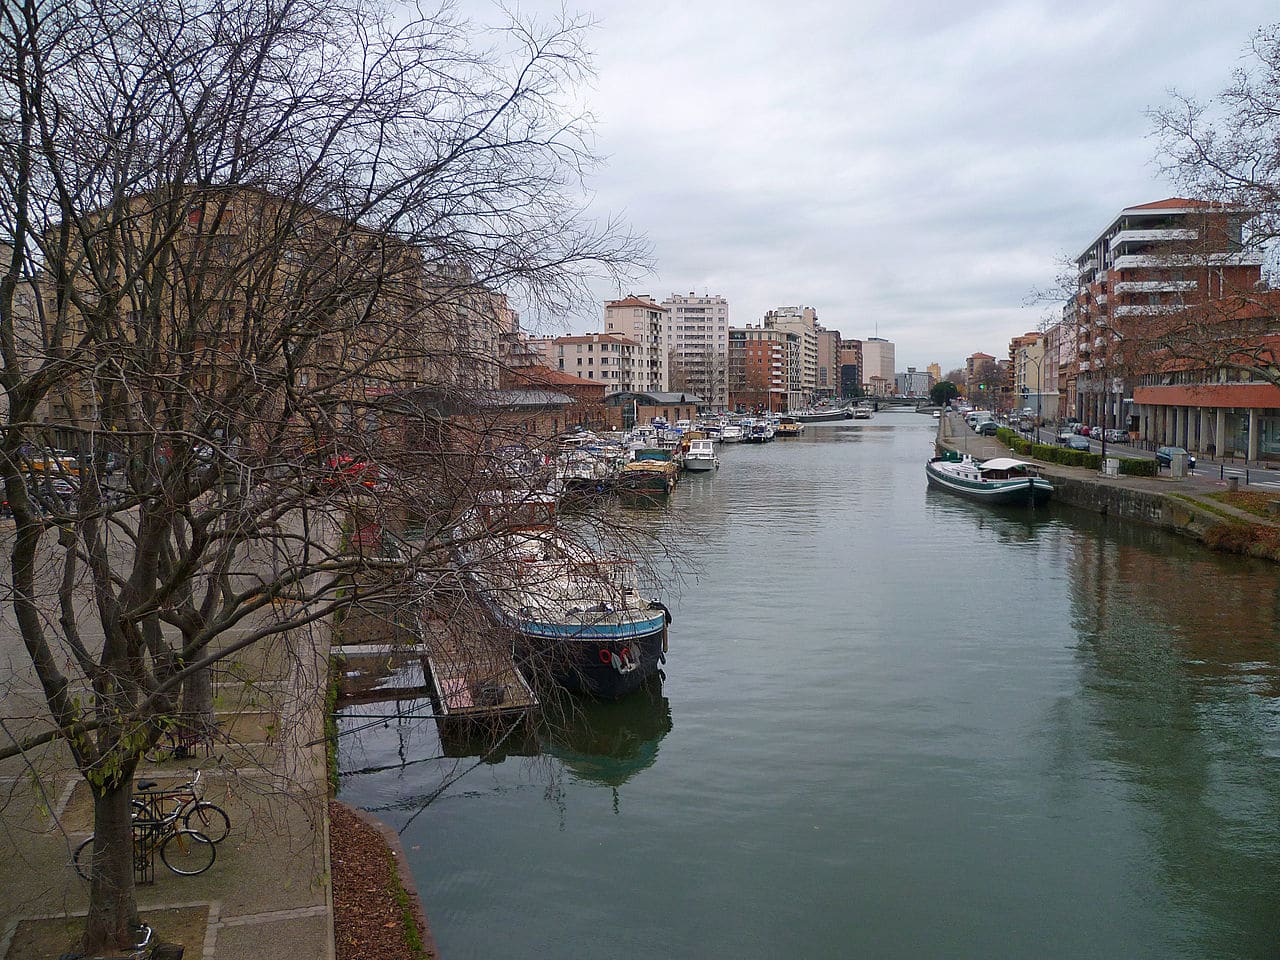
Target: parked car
1077	443
1164	456
1117	436
1064	436
988	428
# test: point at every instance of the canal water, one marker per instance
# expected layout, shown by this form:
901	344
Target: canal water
894	725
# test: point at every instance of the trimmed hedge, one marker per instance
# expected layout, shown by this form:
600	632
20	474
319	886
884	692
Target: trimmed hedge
1134	467
1048	453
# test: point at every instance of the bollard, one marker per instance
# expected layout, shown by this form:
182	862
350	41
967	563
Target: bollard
1222	471
1233	484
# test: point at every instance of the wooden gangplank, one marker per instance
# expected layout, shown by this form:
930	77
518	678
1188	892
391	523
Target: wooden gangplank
473	674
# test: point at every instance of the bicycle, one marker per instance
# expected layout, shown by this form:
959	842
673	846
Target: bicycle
184	737
185	852
197	813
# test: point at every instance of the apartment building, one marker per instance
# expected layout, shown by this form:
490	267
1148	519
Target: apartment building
851	368
764	365
347	316
1034	379
608	357
935	371
912	383
640	319
1176	270
879	358
696	339
828	382
803	322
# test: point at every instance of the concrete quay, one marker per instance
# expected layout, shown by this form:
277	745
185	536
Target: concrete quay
1179	505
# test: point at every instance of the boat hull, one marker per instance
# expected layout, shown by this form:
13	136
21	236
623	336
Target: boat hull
699	464
826	417
646	484
605	667
1023	490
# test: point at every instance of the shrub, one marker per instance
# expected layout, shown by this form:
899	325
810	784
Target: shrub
1136	467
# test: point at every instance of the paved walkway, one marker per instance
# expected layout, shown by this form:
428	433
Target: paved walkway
268	895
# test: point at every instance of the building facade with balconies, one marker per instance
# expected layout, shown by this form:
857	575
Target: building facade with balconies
637	317
1153	263
696	342
764	365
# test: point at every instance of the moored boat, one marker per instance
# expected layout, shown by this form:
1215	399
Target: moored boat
789	427
701	456
653	472
824	415
1001	480
862	413
577	615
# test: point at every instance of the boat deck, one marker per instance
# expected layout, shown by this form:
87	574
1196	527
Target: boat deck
474	675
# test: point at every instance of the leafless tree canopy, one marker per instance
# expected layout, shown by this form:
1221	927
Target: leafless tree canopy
252	255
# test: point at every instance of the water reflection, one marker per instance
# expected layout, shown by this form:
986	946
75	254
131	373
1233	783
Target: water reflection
1182	674
609	743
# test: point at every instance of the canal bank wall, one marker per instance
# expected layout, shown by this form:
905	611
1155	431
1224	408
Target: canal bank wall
1182	506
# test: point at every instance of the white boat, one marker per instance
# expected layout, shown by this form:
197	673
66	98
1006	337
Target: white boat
1001	480
732	433
701	456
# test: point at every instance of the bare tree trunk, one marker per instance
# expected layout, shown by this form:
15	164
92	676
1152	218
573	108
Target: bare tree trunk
197	698
113	905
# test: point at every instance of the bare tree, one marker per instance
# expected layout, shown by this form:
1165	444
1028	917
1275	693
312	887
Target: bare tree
1225	152
255	239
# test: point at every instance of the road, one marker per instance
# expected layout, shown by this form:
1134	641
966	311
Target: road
1252	475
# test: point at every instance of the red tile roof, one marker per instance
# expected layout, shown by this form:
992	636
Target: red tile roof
1171	203
549	375
632	300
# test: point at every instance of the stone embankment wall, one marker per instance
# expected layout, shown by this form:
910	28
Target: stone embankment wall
1108	499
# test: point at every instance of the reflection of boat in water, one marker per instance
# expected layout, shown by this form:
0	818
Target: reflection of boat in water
610	743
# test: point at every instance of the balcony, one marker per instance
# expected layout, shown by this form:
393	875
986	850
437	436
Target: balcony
1155	286
1243	258
1149	309
1151	236
1085	366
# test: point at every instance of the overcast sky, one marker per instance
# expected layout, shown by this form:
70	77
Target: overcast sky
911	167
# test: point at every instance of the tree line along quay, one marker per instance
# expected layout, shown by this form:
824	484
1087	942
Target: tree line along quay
261	267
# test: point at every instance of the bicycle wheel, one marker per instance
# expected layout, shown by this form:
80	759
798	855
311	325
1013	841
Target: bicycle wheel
83	859
188	853
209	819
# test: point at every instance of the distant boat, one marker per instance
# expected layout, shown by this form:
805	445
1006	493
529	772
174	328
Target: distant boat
824	415
789	427
862	413
1002	480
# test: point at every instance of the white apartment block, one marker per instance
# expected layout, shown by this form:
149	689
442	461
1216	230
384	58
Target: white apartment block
696	341
642	320
878	361
804	322
610	357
